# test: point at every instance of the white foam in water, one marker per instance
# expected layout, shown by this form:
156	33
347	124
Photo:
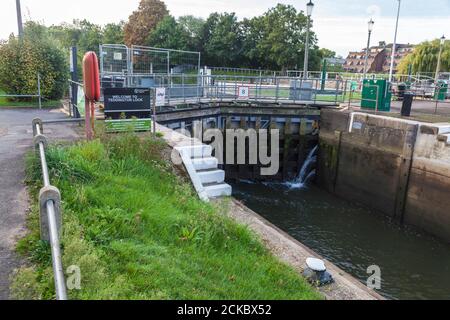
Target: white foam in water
307	172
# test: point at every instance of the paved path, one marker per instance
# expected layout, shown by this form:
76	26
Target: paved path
15	140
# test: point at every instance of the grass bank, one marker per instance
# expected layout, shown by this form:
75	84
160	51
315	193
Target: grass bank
137	231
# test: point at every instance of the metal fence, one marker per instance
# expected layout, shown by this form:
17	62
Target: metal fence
120	60
186	88
244	71
425	97
50	212
38	94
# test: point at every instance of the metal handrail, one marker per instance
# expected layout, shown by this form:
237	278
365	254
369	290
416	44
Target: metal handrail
60	284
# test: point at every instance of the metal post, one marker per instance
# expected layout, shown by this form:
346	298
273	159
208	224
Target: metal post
183	83
350	96
305	66
367	55
391	70
438	68
88	125
39	90
74	76
154	110
168	62
277	81
19	19
324	75
336	93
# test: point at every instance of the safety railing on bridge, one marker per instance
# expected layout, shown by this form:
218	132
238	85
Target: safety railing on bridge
50	212
186	88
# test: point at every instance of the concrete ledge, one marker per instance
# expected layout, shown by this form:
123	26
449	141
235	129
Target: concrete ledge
292	252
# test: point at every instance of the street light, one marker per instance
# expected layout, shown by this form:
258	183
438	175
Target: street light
309	11
438	69
371	24
19	18
391	70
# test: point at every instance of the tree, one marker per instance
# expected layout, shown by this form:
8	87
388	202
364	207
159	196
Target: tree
169	34
91	36
85	35
194	27
222	39
113	33
424	58
278	39
37	53
326	53
143	21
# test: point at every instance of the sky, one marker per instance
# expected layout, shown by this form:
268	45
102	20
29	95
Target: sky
341	25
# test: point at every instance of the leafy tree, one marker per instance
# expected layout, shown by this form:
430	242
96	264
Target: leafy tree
326	53
194	27
222	39
85	35
143	21
36	53
279	37
67	34
91	36
170	34
113	33
424	58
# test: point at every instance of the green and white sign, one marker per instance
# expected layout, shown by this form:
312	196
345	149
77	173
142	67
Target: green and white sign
136	125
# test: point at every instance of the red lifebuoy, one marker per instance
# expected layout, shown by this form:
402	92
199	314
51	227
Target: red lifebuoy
91	76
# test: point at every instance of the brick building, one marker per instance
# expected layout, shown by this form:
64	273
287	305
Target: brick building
379	60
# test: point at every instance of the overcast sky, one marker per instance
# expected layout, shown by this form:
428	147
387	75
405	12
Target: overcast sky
341	25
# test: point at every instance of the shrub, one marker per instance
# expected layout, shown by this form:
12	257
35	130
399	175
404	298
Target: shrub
22	59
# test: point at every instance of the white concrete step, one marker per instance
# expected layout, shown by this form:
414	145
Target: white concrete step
444	129
196	151
205	163
447	135
218	190
212	176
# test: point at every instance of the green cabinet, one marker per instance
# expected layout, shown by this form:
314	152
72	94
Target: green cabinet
441	91
376	95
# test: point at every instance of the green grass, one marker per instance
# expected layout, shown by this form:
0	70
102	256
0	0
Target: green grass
138	232
6	102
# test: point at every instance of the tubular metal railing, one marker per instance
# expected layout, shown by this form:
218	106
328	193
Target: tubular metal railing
38	94
50	212
188	88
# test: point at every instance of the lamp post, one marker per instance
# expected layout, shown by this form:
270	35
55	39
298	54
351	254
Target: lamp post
309	10
371	24
394	45
438	68
19	18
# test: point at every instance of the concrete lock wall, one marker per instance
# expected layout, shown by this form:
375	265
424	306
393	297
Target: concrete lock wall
400	168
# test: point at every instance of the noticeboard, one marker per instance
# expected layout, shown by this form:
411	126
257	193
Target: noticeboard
160	97
131	102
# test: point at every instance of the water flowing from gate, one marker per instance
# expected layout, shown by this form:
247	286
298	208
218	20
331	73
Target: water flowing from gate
307	172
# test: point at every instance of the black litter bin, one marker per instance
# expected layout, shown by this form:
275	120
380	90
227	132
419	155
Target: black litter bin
407	104
401	91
